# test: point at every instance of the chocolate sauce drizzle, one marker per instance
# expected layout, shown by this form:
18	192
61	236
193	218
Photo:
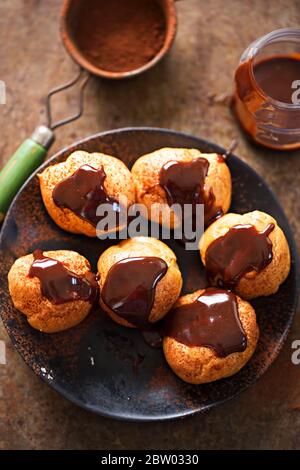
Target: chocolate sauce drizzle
83	192
241	250
210	321
184	183
276	74
129	288
59	284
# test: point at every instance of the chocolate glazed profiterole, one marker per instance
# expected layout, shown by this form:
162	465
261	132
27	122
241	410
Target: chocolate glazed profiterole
139	281
182	176
211	320
240	250
55	289
247	253
209	334
184	183
83	192
73	190
129	288
59	284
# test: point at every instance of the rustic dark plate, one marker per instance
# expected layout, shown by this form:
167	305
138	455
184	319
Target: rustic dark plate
109	369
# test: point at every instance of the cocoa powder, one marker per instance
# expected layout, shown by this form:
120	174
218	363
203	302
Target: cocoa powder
120	35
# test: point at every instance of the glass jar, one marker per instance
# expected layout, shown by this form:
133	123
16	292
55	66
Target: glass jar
267	90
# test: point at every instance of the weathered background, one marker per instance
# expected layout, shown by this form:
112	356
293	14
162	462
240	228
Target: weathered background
176	94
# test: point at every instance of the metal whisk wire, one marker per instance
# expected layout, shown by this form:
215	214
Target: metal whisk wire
54	125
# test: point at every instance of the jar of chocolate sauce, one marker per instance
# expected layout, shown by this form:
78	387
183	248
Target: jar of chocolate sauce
267	90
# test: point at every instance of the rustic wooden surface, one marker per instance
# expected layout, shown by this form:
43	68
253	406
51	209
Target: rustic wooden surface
176	94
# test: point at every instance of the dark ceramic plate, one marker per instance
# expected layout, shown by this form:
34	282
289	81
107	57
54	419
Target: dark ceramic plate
109	369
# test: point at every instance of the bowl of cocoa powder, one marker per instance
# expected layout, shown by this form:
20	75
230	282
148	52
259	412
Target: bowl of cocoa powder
116	38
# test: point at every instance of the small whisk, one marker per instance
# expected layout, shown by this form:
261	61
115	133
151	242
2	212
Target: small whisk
32	152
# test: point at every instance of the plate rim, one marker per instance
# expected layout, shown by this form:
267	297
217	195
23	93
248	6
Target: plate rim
280	343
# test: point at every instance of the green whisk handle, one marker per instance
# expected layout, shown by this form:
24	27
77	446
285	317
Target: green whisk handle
27	158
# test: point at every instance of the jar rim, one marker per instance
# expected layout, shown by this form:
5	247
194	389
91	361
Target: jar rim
283	34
